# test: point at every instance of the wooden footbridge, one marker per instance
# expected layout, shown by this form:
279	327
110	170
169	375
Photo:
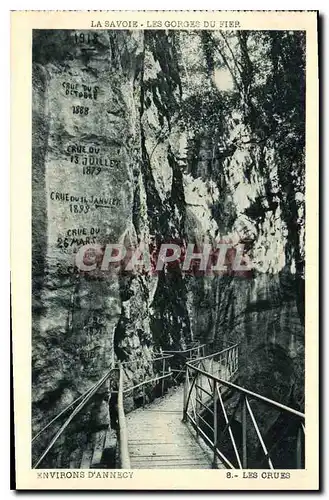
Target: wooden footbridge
201	419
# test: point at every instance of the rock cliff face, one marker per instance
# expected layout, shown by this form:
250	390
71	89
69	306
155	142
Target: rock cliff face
157	137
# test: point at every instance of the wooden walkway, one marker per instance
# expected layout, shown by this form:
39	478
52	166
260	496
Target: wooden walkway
158	439
155	437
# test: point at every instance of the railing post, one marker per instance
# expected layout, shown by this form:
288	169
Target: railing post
124	451
201	384
244	434
299	449
214	462
143	396
197	405
186	384
163	372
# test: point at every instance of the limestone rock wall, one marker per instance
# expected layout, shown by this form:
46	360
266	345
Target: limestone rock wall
86	132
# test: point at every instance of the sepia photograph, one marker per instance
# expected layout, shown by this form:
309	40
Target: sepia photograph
168	249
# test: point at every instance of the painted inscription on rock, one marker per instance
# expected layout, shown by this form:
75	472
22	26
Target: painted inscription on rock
90	141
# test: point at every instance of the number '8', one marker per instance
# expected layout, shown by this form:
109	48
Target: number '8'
80	110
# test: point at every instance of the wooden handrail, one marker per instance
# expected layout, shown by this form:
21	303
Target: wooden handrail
164	356
61	413
184	351
214	354
148	381
81	405
157	358
124	452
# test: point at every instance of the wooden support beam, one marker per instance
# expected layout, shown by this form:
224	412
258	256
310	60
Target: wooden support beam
229	428
244	434
124	453
299	448
259	435
214	462
163	373
186	392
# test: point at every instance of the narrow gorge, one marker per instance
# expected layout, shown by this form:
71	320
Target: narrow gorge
164	137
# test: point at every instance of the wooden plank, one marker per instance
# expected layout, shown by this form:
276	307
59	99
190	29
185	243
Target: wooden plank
170	461
186	466
99	440
110	439
171	453
158	438
86	456
75	458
